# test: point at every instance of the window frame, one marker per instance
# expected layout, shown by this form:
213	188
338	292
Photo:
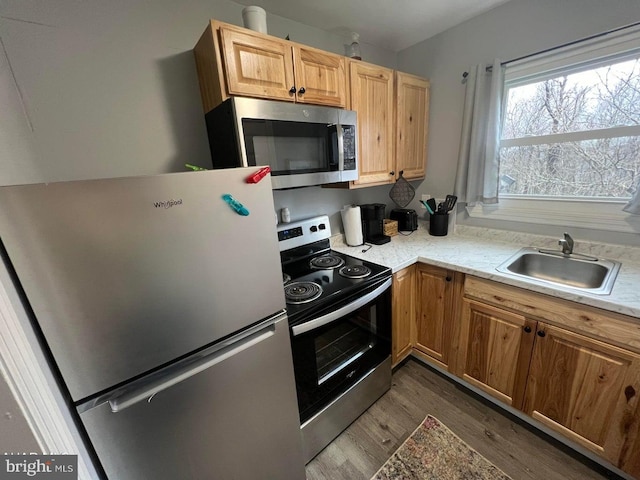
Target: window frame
593	213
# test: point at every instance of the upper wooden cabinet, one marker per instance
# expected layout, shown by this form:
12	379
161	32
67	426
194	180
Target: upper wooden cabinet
236	61
320	76
393	123
372	98
256	66
412	125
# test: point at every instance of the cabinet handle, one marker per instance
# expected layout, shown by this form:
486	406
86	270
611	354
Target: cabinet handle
527	329
292	90
392	172
541	333
301	91
448	279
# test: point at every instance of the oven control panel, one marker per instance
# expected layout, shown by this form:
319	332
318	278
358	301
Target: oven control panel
302	232
289	233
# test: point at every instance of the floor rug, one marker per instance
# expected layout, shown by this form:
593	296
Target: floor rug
433	452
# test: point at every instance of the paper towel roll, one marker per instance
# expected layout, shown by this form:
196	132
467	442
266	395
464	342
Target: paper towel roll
352	224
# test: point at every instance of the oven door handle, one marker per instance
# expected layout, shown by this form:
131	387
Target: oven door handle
347	309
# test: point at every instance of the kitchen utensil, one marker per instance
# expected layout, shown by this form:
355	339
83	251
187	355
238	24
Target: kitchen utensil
432	204
427	206
450	202
402	192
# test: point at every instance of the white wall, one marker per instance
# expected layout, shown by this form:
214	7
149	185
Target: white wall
98	89
109	88
512	30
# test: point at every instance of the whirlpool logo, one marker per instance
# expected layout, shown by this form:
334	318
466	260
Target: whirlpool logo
167	203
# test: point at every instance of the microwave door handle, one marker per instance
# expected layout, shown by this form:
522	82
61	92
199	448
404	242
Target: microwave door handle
137	394
341	312
340	137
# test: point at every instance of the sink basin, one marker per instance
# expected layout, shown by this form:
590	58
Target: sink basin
574	272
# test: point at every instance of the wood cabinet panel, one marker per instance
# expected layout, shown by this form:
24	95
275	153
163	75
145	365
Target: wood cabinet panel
403	313
495	351
257	66
599	324
437	308
236	61
322	75
372	98
412	125
586	390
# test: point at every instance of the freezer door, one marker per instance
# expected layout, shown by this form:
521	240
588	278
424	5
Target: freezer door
236	419
128	274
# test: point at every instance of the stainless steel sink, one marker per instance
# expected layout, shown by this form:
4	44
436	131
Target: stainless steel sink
574	272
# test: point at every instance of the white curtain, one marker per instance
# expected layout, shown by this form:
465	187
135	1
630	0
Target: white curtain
634	204
478	161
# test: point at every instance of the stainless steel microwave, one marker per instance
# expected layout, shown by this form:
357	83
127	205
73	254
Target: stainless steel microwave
302	144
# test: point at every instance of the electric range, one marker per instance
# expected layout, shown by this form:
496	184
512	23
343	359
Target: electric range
339	310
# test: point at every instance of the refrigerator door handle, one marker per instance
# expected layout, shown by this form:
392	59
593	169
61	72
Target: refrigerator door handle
148	390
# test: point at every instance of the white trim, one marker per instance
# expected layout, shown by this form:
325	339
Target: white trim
31	384
615	44
596	215
614	132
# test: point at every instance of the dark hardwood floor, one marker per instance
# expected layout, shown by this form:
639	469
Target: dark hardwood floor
417	390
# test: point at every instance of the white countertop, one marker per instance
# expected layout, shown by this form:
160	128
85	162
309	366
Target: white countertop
478	251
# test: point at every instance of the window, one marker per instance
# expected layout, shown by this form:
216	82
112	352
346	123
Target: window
573	134
570	142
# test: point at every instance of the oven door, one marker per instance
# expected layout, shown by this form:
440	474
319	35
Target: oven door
339	345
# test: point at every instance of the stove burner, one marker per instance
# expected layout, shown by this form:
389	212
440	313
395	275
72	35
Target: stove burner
355	271
326	262
301	292
285	278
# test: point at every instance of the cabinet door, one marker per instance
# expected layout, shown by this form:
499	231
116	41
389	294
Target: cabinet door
257	66
495	350
587	391
320	77
437	310
403	313
372	99
412	125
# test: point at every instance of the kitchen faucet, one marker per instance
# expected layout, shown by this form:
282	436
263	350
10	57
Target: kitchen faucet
567	244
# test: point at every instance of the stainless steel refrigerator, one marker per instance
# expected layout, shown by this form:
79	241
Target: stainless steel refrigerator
159	301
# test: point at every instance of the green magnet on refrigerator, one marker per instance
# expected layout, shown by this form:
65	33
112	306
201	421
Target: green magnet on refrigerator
236	205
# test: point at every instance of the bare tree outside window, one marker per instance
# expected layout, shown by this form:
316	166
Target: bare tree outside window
574	135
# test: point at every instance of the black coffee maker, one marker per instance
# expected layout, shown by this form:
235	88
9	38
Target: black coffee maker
372	215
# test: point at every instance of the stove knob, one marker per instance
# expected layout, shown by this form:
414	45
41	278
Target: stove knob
314	229
323	226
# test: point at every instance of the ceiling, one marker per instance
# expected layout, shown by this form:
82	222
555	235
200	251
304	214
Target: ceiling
390	24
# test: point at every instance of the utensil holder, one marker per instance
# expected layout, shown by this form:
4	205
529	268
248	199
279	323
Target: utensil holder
439	224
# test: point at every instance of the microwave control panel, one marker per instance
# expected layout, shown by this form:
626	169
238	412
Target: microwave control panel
349	146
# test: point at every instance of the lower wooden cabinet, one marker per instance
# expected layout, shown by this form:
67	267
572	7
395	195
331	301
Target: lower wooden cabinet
513	344
495	350
437	307
572	368
403	313
587	391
